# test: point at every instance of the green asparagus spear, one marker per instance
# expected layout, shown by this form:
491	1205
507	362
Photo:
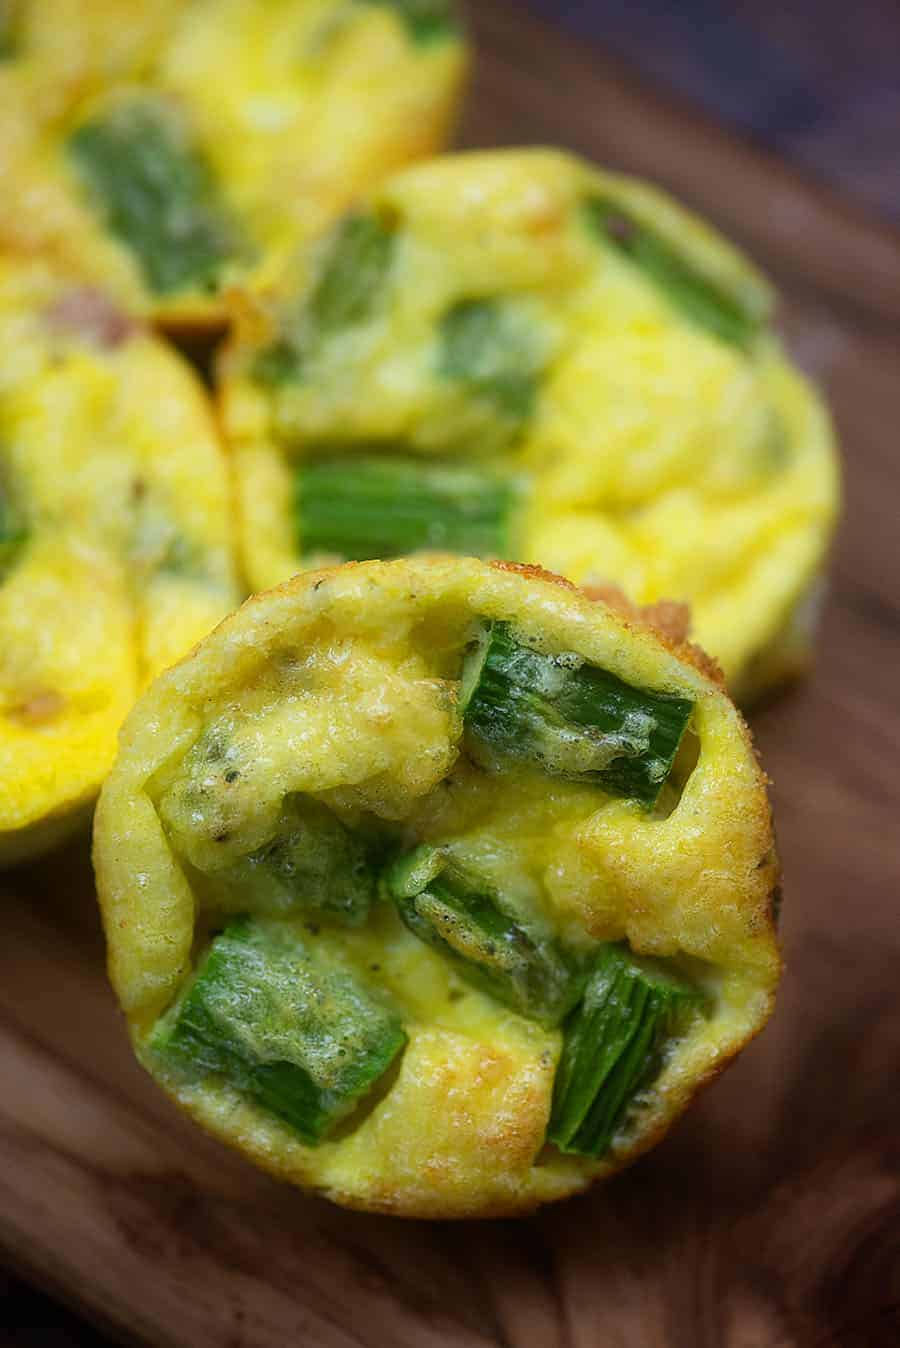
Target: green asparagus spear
613	1046
12	527
459	914
305	1041
700	298
157	194
311	863
575	720
383	506
487	346
10	21
356	261
426	20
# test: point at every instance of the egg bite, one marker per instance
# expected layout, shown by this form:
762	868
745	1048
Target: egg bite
436	887
53	54
514	354
237	129
116	552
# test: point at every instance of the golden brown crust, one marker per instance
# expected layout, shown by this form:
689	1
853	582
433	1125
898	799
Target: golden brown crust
532	572
668	618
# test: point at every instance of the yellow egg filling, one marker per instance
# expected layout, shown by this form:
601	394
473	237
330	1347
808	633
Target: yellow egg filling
115	538
598	361
180	150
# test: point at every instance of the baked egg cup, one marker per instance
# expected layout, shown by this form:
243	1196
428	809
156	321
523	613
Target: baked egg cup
436	887
116	549
514	354
225	134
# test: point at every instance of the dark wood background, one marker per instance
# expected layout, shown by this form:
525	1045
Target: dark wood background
772	1215
814	80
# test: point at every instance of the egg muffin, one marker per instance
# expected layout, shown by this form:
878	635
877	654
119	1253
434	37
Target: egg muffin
115	538
516	355
227	132
435	886
54	53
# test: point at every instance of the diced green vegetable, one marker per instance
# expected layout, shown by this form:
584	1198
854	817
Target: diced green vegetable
181	558
13	532
389	504
356	265
10	20
156	544
426	20
313	862
459	915
157	194
356	260
278	362
573	719
304	1040
700	298
613	1047
489	347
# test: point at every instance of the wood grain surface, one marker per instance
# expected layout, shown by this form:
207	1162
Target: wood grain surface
817	87
772	1215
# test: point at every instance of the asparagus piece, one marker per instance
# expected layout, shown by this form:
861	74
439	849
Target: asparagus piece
485	345
356	260
459	915
305	1041
156	193
612	1047
12	528
575	720
10	21
426	20
699	297
156	544
383	506
312	862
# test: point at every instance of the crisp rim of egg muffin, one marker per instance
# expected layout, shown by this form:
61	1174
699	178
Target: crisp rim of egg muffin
235	128
116	548
512	353
435	886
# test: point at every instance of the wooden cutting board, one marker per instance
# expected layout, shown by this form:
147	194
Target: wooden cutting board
772	1215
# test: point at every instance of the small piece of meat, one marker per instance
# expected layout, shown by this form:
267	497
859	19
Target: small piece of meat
42	706
88	312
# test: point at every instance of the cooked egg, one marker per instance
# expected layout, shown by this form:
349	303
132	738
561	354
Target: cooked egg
185	148
514	354
115	538
436	887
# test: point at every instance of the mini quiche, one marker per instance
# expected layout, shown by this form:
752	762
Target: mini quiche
115	540
515	355
54	53
234	130
436	887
